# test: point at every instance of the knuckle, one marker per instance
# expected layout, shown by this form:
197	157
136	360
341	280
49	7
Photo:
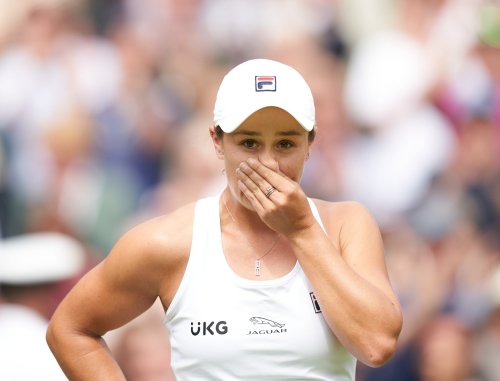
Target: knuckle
280	203
268	213
287	197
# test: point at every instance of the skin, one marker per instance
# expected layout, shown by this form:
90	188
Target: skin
345	265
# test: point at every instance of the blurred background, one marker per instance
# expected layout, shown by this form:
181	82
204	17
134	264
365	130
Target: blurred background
104	115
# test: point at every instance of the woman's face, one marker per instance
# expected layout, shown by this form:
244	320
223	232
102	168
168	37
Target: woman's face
270	135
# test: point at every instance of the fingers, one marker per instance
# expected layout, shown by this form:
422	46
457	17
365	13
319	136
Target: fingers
255	194
267	174
252	196
254	181
277	199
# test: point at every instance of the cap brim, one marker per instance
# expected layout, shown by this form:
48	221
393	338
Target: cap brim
230	123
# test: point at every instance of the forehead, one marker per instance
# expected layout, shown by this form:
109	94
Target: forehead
271	119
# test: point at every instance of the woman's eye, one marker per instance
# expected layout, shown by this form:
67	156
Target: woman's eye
249	143
285	144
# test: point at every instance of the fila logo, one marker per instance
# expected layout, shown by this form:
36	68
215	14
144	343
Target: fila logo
265	83
210	328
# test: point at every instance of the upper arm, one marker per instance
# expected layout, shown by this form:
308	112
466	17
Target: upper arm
360	243
127	282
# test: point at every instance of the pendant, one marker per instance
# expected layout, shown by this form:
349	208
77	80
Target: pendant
257	267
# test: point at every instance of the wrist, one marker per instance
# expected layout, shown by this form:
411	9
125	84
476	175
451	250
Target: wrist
305	233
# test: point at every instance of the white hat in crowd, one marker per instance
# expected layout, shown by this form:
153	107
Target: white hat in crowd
260	83
40	258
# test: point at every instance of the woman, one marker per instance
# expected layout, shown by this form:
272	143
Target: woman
260	283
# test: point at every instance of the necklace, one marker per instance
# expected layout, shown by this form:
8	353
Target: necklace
257	260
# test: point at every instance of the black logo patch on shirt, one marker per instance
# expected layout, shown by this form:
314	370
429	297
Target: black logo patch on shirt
316	306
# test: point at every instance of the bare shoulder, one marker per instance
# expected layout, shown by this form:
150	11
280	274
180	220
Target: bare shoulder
169	233
158	248
349	224
343	212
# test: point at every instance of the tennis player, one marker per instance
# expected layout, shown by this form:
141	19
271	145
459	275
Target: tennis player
259	282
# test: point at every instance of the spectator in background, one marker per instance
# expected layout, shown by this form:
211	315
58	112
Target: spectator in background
36	271
47	72
141	354
445	351
83	118
401	140
142	347
487	342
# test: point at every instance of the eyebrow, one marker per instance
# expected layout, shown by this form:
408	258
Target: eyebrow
255	133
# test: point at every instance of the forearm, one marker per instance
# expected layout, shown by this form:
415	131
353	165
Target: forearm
362	316
83	357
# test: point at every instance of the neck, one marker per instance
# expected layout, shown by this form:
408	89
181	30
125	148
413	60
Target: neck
256	250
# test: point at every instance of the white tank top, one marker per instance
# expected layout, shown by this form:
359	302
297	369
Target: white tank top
225	327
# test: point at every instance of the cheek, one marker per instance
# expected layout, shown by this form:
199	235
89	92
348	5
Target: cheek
231	164
237	194
292	169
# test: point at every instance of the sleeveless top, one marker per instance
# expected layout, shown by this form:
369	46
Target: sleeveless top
225	327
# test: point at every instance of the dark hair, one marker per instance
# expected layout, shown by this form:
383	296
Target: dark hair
311	135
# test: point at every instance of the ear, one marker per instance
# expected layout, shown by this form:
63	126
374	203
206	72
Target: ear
219	148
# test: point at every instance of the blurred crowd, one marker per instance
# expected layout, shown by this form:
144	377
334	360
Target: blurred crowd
104	115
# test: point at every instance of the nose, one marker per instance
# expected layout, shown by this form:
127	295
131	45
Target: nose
267	158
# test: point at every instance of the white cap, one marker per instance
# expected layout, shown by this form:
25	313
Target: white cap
260	83
39	258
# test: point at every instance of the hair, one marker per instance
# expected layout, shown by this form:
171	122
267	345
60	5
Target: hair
311	135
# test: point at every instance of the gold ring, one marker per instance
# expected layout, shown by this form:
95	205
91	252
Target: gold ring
269	191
